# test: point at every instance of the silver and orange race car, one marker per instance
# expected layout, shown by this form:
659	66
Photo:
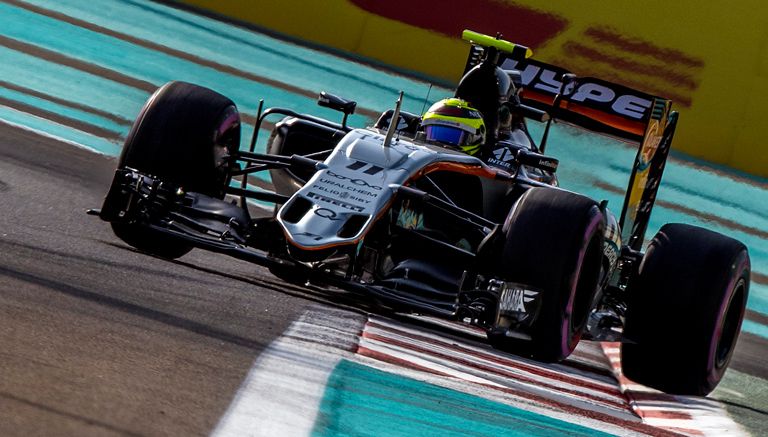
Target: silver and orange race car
489	240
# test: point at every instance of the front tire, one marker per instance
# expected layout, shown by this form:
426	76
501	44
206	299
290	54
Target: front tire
685	310
184	134
554	242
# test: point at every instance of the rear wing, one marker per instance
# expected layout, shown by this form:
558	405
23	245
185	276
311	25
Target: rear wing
599	106
588	102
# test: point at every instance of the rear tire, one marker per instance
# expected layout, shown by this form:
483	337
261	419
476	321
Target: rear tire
184	134
554	241
685	310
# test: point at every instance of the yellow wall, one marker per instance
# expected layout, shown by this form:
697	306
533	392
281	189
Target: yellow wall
712	56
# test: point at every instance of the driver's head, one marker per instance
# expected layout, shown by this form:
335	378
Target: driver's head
454	123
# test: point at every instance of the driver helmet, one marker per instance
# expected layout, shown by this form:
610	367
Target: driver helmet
454	123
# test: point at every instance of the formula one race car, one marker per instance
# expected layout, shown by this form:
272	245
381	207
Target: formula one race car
492	241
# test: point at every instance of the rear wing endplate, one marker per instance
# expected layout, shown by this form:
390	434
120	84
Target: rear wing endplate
646	174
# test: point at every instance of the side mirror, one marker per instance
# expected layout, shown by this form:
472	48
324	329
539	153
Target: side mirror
533	113
527	111
337	103
537	160
567	87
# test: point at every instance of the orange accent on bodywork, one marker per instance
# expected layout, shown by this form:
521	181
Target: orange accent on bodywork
458	167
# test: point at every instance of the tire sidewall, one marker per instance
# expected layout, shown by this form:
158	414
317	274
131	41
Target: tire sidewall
739	277
552	238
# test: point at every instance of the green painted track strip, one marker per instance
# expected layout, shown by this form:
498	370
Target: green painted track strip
362	401
58	131
250	51
65	111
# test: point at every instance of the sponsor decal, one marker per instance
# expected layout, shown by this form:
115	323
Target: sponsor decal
502	157
332	201
410	219
626	104
354	181
531	25
611	252
605	96
326	214
351	194
503	154
513	298
338	189
502	164
548	164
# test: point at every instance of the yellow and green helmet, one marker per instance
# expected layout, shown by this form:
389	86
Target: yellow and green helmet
454	123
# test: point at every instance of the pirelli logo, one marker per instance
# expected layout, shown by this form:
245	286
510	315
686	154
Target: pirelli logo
332	201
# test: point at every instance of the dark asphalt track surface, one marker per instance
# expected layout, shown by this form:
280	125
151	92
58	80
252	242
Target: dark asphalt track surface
99	339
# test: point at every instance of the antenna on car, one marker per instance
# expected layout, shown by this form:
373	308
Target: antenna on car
566	86
394	121
426	99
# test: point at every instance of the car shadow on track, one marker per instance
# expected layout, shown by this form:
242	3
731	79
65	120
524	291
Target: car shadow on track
131	308
328	296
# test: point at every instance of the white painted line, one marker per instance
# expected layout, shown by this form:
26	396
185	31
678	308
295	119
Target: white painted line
436	367
494	369
455	363
486	354
495	363
282	393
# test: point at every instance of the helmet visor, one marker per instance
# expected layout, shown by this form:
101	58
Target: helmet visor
445	134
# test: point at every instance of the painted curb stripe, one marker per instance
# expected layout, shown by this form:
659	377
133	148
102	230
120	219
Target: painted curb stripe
317	379
464	367
607	384
87	67
693	416
544	390
74	123
420	358
495	364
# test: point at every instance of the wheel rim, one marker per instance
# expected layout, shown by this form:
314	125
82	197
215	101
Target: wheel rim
585	288
731	324
226	142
